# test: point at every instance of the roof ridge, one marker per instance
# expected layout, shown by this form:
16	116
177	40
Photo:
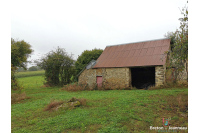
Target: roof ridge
138	42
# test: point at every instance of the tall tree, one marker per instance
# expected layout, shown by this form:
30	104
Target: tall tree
86	57
179	44
20	51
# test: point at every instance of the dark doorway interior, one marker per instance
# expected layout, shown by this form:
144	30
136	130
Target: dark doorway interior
143	77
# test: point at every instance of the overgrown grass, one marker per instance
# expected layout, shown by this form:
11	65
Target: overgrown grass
105	111
18	97
29	73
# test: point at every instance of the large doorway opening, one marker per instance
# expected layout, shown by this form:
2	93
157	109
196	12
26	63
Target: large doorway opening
143	77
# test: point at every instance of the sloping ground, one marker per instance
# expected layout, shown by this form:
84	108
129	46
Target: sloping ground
105	111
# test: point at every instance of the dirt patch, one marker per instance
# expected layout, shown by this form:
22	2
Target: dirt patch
17	98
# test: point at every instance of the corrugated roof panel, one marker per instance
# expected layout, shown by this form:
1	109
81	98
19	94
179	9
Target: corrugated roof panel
138	61
128	61
108	63
151	44
153	60
157	50
125	54
122	47
131	53
120	62
157	60
112	49
147	45
141	61
150	51
124	62
121	53
164	49
137	52
117	48
157	43
140	45
128	47
143	52
107	49
116	61
146	53
116	54
147	59
133	61
135	46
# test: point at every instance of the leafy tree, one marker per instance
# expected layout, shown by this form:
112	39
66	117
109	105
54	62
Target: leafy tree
20	51
20	69
58	66
86	57
33	68
179	45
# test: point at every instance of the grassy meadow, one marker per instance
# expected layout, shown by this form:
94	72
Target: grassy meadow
111	111
29	73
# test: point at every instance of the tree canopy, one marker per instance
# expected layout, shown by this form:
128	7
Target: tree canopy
33	68
20	51
86	57
179	44
58	66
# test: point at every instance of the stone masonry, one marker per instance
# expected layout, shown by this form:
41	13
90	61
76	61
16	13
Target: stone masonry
112	77
116	77
159	75
88	76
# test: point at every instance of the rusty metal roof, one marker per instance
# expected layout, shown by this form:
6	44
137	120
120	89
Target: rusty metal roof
147	53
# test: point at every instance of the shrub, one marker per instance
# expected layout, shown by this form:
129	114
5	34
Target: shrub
14	83
33	68
75	87
58	66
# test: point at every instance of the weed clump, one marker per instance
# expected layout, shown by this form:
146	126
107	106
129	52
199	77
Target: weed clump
181	84
16	98
70	104
75	87
53	105
177	103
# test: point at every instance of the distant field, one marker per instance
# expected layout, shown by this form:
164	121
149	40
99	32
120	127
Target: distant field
29	73
112	111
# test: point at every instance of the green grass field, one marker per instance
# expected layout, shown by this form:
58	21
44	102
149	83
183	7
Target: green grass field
29	73
110	111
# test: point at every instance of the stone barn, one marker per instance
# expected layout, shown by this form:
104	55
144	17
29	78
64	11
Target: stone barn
139	65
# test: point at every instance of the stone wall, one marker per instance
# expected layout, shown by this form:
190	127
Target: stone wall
159	75
112	77
116	77
88	76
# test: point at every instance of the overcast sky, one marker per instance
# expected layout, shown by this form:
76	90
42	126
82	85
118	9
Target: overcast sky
85	25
